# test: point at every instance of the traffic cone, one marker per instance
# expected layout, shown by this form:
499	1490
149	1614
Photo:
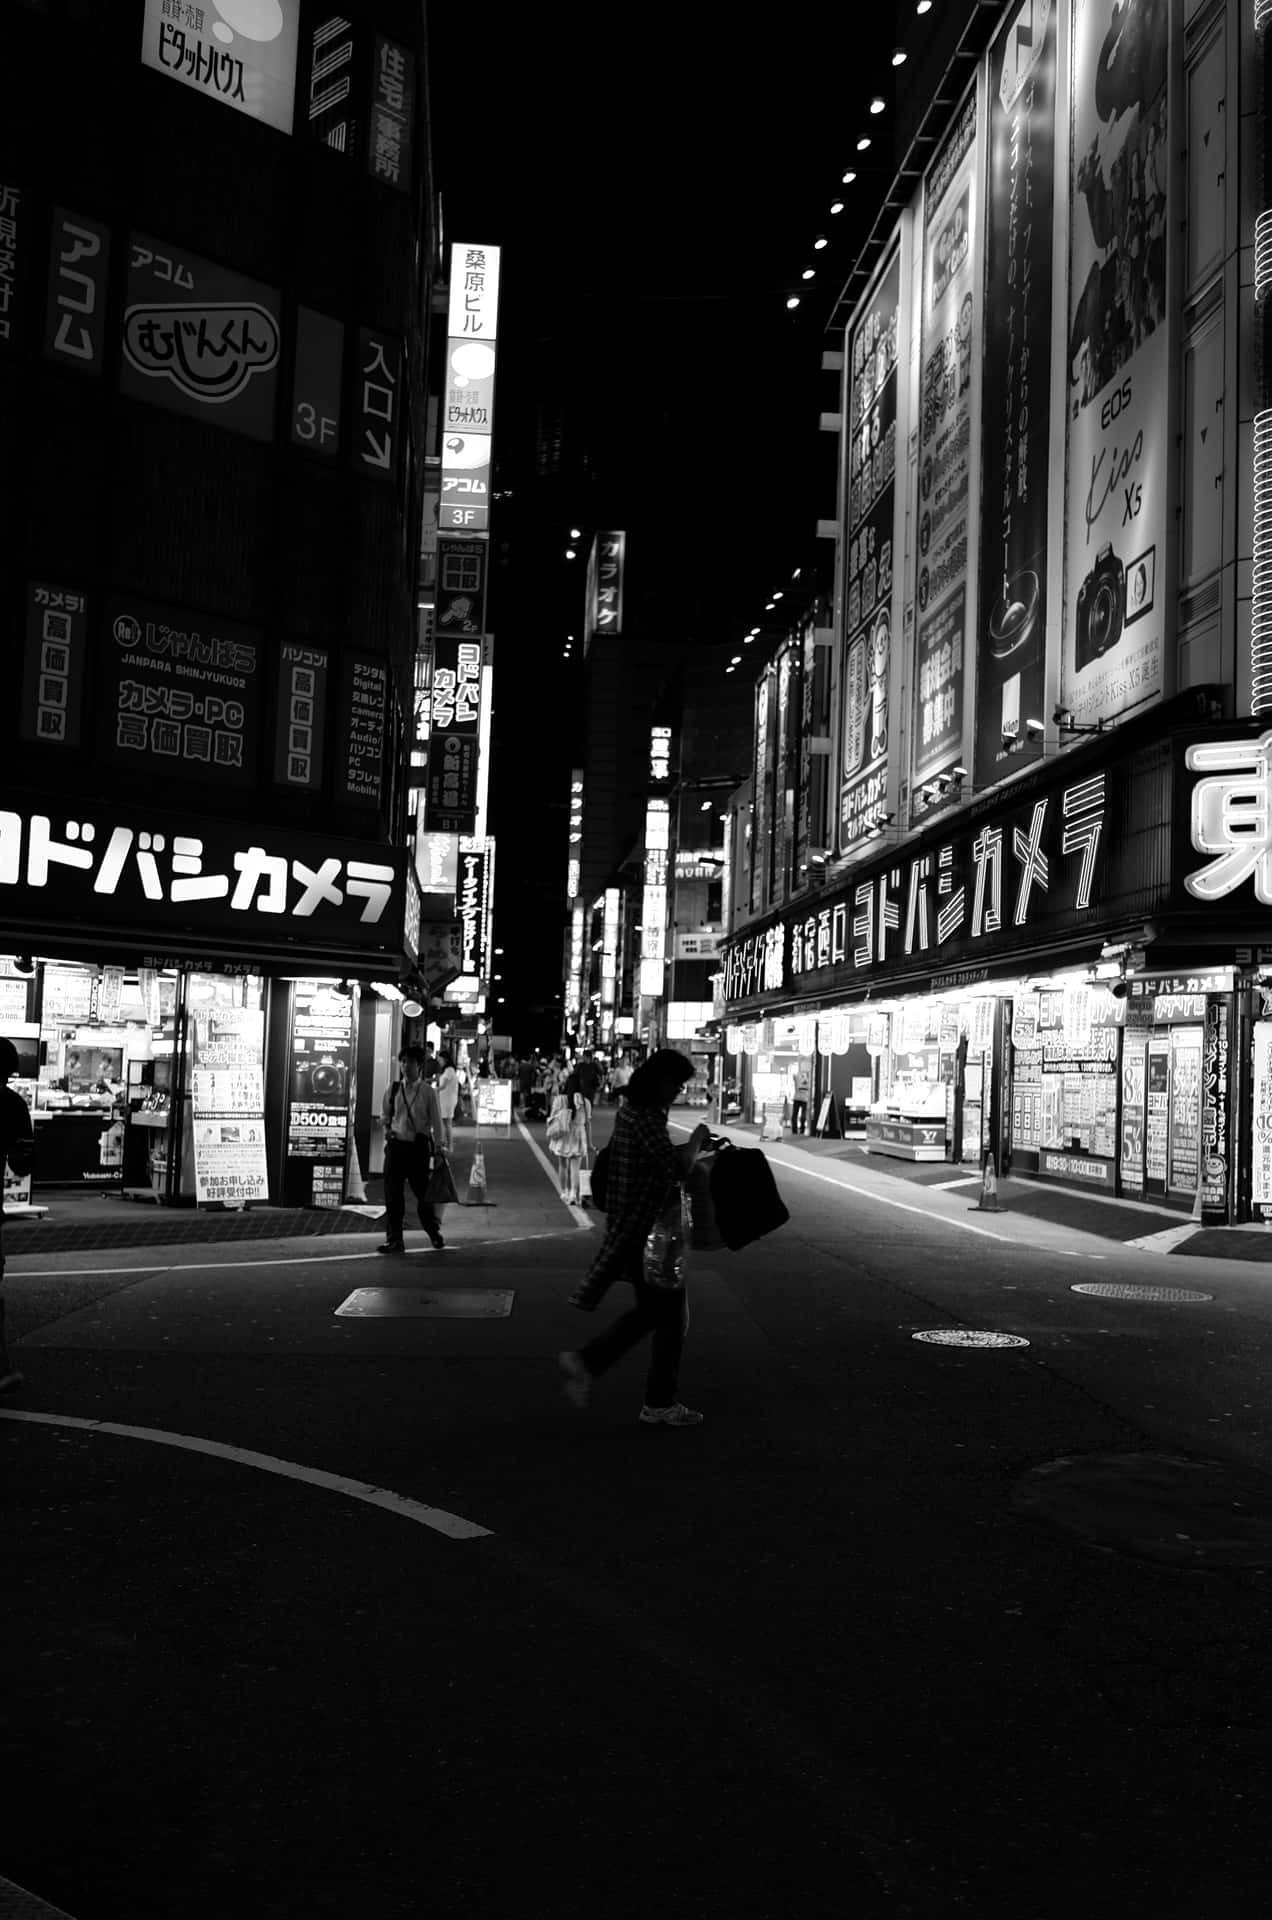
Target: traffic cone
988	1202
476	1194
355	1191
770	1129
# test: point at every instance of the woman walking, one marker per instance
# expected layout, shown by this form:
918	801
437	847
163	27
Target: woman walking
643	1166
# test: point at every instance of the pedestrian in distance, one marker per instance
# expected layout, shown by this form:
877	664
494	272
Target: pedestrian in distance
17	1150
447	1098
569	1137
801	1087
643	1166
412	1135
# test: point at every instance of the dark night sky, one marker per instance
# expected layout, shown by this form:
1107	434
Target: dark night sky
656	178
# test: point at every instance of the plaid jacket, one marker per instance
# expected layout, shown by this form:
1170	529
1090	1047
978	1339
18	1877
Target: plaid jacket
642	1165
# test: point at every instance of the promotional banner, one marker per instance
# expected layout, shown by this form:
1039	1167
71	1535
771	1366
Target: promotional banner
454	735
1119	370
872	463
200	340
228	1106
1015	391
179	694
364	703
301	715
321	1080
1261	1113
950	326
242	56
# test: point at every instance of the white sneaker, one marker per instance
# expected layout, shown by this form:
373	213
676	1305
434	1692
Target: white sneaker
676	1415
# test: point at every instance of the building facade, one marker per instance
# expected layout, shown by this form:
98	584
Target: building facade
1041	935
217	255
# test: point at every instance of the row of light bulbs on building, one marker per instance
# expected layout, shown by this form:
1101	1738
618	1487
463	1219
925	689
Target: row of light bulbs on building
770	606
878	105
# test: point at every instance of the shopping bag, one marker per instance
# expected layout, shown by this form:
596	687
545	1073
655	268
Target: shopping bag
599	1179
585	1184
704	1228
745	1196
441	1188
665	1255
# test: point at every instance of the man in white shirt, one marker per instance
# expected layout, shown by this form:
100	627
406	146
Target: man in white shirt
412	1135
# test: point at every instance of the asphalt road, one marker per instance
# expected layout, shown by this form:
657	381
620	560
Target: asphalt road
902	1629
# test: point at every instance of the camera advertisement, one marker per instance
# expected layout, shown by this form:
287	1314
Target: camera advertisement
318	1115
950	325
1015	402
228	1106
1118	366
872	466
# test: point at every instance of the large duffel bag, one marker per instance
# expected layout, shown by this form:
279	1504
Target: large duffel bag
744	1195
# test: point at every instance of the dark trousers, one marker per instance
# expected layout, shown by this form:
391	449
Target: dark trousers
799	1116
403	1161
660	1311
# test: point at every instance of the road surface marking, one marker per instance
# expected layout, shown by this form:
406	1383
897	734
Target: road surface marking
579	1214
1166	1241
16	1903
282	1260
452	1524
864	1193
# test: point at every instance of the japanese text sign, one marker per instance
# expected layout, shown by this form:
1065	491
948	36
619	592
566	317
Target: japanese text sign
242	56
377	403
55	664
474	292
178	692
365	707
200	340
15	248
392	114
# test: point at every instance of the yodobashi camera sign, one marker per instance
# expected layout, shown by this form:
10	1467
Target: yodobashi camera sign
1118	367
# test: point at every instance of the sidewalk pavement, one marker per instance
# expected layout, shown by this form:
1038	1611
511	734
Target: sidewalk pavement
78	1222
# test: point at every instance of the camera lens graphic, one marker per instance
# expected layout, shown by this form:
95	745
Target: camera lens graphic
1103	616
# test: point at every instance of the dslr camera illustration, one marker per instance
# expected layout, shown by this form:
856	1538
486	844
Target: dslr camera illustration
1101	609
317	1080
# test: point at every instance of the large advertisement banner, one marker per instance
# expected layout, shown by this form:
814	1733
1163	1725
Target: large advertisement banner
1119	372
199	340
872	467
179	695
950	325
1015	391
318	1111
242	56
228	1106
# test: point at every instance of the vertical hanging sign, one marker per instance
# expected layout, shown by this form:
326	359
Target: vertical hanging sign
872	466
945	449
1119	365
1015	376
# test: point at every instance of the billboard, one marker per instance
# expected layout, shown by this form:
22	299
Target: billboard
604	613
872	466
179	695
242	56
1119	454
454	734
469	401
950	326
200	340
1015	391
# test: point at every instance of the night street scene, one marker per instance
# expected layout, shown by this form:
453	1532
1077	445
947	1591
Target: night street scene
636	961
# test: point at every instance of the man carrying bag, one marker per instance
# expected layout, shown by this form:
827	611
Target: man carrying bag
412	1131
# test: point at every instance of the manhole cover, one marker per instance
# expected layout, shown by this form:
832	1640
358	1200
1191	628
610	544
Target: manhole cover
1163	1507
1109	1290
439	1303
965	1337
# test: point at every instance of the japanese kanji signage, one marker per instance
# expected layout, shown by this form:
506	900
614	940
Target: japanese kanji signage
473	312
950	275
1015	393
200	340
178	694
470	386
377	403
364	709
473	903
55	664
1120	366
228	1106
75	313
244	56
392	113
15	246
872	461
301	716
129	865
455	721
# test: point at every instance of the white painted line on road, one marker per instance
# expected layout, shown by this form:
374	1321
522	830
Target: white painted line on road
16	1903
864	1193
437	1518
579	1214
281	1260
944	1186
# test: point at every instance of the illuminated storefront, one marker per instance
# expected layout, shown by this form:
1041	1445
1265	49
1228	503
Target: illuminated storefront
1068	976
